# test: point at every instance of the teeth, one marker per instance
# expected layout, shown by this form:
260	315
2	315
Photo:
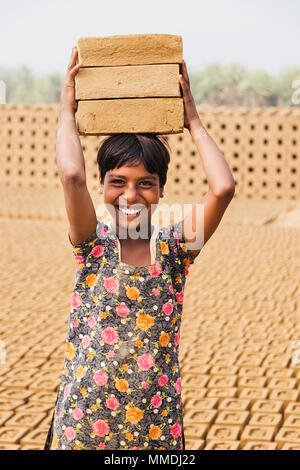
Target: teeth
129	211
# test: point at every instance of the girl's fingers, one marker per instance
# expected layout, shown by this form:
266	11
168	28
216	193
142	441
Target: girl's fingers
185	73
73	57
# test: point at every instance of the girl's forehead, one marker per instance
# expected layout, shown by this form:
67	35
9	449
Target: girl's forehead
131	170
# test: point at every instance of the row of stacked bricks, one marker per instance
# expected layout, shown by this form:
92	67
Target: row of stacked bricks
130	84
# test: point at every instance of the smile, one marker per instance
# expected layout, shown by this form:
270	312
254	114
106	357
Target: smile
130	212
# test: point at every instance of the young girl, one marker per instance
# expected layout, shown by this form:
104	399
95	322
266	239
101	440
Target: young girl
120	387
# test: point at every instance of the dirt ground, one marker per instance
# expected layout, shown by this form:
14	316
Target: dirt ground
240	333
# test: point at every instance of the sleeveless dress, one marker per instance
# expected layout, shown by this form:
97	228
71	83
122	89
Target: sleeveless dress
121	385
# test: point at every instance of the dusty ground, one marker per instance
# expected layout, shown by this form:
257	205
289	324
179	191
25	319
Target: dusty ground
240	360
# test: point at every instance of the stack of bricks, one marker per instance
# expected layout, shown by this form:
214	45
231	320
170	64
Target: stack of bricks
129	84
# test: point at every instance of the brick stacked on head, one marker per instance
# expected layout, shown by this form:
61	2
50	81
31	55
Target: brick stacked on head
129	83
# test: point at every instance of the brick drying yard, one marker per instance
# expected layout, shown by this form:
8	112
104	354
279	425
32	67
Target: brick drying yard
239	355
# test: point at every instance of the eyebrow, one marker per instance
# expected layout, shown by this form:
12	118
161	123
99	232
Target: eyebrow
116	175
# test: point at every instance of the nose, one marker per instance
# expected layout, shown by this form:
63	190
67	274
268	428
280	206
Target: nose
130	194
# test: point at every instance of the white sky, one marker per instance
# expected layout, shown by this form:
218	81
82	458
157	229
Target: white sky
260	34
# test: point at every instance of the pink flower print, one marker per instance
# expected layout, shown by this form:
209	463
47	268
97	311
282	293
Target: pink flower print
111	353
171	288
176	237
145	361
100	428
177	385
100	377
176	430
145	385
76	300
97	251
109	335
70	433
155	292
111	284
176	338
186	271
61	414
174	249
116	243
103	232
80	259
112	403
122	310
168	308
67	390
101	445
85	341
91	321
77	414
163	379
179	296
155	270
75	323
156	400
135	448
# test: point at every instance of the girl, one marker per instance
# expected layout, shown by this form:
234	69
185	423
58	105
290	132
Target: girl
120	387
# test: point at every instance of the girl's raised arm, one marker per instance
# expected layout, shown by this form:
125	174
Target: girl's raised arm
70	162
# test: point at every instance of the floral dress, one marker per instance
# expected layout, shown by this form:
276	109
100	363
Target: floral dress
121	386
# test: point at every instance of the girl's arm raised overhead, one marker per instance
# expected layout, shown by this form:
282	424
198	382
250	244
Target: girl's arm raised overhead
199	225
70	162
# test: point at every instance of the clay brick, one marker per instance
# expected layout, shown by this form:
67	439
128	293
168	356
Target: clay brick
229	417
293	408
136	115
259	445
266	419
35	437
250	359
287	435
290	446
258	433
267	406
222	432
292	421
195	431
222	392
49	384
286	396
279	372
193	393
20	384
200	416
136	81
4	446
195	444
251	382
194	368
132	49
11	435
195	381
224	381
28	420
234	404
223	370
34	408
7	404
277	359
4	416
216	444
253	393
32	447
15	394
43	397
251	371
281	383
200	403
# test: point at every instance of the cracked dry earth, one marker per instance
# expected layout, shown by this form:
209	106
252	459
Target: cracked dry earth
240	333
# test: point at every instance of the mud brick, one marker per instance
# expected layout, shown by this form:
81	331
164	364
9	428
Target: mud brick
34	408
20	383
251	382
29	363
193	369
21	373
195	444
293	408
267	406
282	383
229	417
28	420
224	381
193	392
286	396
290	446
279	359
43	397
132	49
217	444
45	424
222	392
200	416
136	81
35	437
53	365
222	432
201	404
292	421
4	446
234	404
11	435
250	359
49	385
136	115
195	431
279	372
259	445
223	370
7	404
253	393
266	419
4	416
195	381
257	433
251	371
287	435
32	447
15	394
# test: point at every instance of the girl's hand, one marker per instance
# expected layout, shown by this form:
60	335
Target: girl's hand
67	96
190	110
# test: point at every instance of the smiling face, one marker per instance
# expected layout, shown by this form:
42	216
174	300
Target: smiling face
131	195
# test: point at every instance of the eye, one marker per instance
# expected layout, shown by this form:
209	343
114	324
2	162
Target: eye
116	181
146	183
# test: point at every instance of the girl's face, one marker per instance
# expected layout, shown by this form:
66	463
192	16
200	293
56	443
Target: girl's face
131	194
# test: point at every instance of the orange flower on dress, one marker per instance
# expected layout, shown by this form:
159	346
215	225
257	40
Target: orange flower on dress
70	351
125	366
167	357
91	280
121	385
82	391
164	248
144	321
94	408
134	414
164	413
54	443
132	293
80	372
177	279
95	298
76	447
139	343
154	432
129	436
186	262
103	315
90	355
164	339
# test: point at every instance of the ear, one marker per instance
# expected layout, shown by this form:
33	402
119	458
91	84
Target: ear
161	191
100	188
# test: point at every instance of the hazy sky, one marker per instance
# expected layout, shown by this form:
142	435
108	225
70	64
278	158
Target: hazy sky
260	34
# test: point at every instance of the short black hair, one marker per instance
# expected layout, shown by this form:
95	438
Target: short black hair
131	149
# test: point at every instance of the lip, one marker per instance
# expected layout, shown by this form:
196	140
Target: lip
132	216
